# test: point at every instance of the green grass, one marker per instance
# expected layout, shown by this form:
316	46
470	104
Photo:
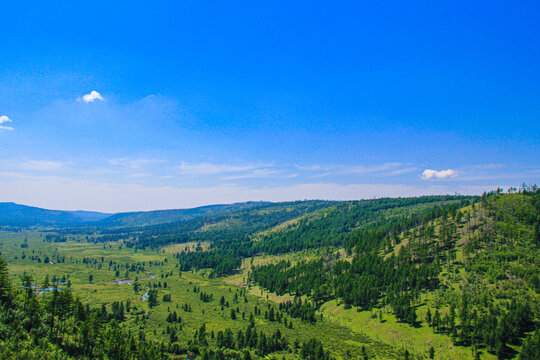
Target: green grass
337	338
416	340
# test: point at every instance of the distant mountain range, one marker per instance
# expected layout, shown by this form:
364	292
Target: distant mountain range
17	215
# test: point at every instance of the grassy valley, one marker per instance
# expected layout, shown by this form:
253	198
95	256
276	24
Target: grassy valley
444	277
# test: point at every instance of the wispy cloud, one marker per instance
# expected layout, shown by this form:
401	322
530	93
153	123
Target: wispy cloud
212	169
257	173
91	97
372	169
488	166
5	119
132	163
314	167
40	165
429	174
29	165
402	171
384	169
139	175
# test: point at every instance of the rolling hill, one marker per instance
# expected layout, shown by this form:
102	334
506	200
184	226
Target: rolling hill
146	218
12	214
430	277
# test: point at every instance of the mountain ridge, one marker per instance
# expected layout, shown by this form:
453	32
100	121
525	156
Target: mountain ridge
19	215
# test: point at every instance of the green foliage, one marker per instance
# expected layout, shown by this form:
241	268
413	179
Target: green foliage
313	350
60	326
152	297
531	347
5	285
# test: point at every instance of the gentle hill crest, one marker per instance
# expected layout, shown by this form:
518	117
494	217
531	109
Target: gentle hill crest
146	218
12	214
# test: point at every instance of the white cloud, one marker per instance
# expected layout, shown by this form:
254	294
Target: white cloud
211	169
442	174
94	95
4	119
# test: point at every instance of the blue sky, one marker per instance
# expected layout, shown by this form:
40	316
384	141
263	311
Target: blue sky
139	106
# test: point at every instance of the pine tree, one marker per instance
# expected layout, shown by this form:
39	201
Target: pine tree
5	284
531	347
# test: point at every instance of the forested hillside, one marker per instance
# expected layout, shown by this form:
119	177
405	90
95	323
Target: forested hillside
475	268
282	228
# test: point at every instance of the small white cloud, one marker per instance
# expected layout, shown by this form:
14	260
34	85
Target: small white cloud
94	95
4	119
442	174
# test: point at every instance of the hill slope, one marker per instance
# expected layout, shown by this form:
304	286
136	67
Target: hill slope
146	218
471	274
12	214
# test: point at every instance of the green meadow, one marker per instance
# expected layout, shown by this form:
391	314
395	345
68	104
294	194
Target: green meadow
343	341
